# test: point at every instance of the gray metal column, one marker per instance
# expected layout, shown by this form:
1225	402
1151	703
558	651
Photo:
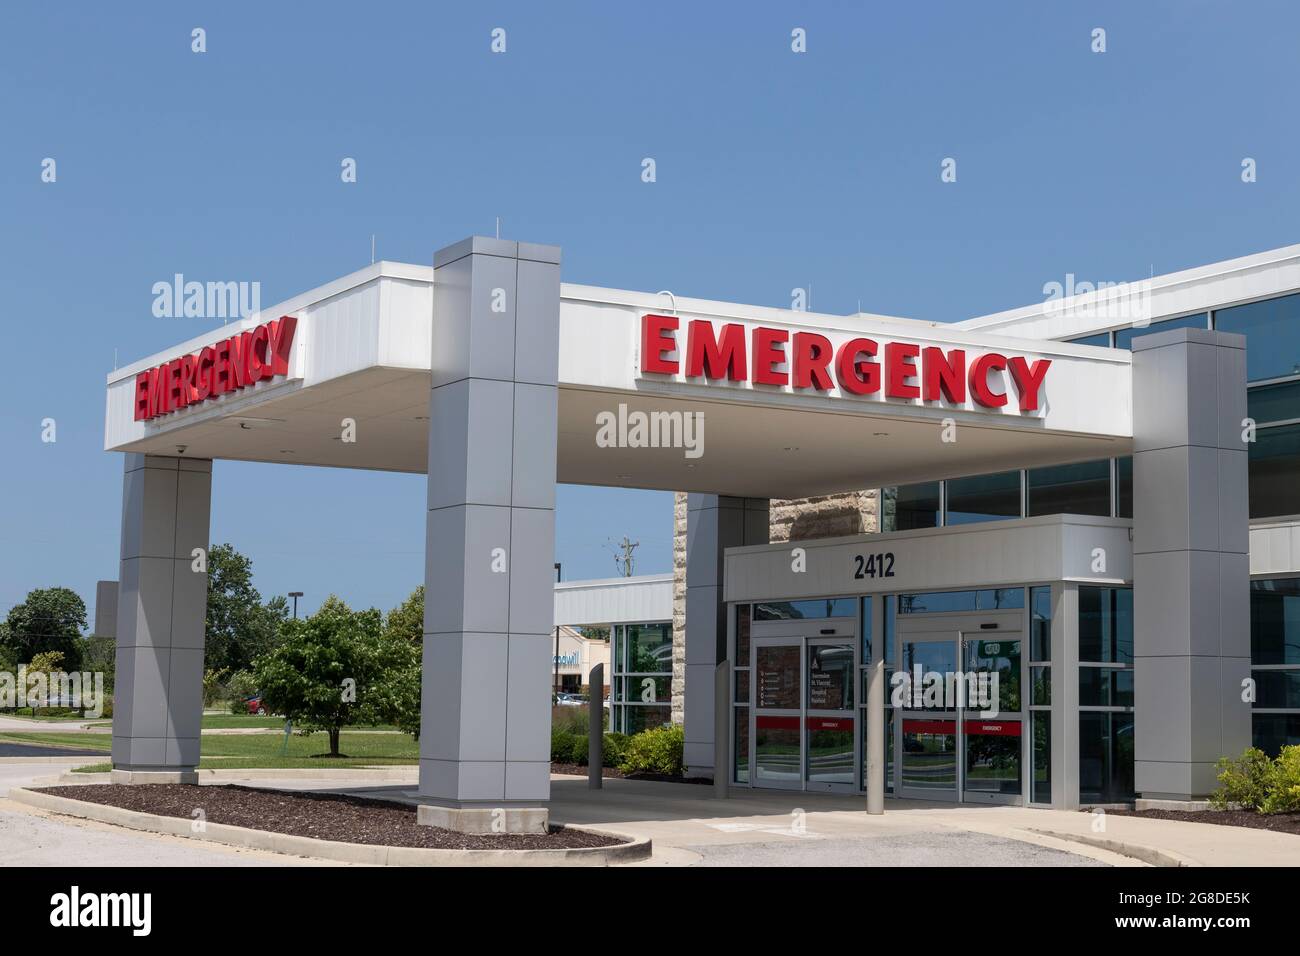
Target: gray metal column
1191	573
161	607
490	545
713	524
1064	760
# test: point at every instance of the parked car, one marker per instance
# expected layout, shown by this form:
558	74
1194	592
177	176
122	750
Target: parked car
569	700
255	705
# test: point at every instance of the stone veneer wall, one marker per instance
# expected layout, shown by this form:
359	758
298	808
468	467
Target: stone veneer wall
792	519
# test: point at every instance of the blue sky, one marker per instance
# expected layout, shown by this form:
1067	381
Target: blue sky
775	170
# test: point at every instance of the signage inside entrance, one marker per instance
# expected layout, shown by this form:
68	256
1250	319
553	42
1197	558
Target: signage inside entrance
226	366
807	361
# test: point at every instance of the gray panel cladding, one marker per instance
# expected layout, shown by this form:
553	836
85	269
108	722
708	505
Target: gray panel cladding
1191	583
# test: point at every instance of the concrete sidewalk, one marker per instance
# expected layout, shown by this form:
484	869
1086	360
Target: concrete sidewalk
764	827
682	819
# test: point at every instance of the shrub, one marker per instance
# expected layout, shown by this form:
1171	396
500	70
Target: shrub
615	745
654	751
561	745
239	686
1243	781
573	719
1284	783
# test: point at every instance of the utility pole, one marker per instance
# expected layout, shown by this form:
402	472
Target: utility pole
623	559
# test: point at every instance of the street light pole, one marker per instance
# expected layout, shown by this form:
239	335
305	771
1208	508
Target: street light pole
555	686
295	595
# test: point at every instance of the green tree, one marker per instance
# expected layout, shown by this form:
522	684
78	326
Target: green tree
406	621
327	671
49	619
403	651
239	626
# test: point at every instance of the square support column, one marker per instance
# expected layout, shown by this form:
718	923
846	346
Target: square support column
713	524
490	545
1191	569
1064	761
161	610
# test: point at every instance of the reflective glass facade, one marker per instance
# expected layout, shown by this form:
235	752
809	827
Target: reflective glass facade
1275	662
641	679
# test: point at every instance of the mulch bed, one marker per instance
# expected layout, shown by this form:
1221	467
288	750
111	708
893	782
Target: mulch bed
323	816
1278	822
578	770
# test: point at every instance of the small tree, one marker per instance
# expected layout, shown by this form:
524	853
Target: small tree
325	673
44	664
48	619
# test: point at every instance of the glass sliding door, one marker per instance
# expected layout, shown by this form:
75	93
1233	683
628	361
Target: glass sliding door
961	732
828	721
778	713
928	756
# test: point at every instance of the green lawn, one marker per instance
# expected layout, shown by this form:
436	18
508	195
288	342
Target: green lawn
225	721
259	750
25	713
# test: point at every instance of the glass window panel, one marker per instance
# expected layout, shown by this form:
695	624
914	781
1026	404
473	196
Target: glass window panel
1079	489
891	607
1124	489
929	759
1272	732
984	498
616	655
1106	625
1124	337
992	756
830	676
1001	657
830	750
989	599
1279	689
741	719
639	718
803	610
1275	621
1274	403
1105	687
1041	722
742	687
1275	472
865	625
648	690
778	677
743	612
1040	624
777	756
931	657
1101	338
650	648
1272	330
909	507
1041	678
1105	757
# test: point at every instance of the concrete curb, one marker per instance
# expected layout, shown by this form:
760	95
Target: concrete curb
1138	851
80	759
634	850
393	774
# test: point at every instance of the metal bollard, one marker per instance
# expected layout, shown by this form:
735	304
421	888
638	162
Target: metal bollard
595	726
